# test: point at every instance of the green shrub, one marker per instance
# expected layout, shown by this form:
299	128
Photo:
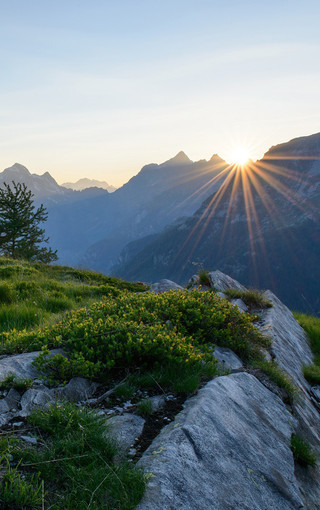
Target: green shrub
302	451
132	332
6	294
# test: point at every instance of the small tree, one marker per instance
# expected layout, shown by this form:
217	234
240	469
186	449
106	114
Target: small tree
20	234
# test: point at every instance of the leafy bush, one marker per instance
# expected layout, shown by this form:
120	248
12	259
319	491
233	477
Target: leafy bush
6	295
302	451
146	331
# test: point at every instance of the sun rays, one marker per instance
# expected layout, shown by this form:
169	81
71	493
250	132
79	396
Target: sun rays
251	193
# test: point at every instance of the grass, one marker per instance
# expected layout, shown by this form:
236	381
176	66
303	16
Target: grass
74	461
302	451
204	277
312	373
125	390
34	295
276	375
176	377
252	298
311	325
144	408
18	491
20	384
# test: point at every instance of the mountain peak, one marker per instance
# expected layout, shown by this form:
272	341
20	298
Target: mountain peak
216	158
179	159
17	168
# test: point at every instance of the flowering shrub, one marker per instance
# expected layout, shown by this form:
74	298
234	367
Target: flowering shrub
143	331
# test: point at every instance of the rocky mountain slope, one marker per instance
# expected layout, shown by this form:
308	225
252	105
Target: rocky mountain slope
262	226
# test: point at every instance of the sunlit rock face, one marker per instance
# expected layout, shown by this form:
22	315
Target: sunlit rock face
261	227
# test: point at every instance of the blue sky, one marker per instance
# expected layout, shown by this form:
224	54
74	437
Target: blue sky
100	88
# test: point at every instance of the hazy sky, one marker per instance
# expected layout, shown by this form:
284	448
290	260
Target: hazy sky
99	88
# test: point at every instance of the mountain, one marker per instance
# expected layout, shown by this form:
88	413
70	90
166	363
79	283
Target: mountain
150	200
85	183
261	226
41	185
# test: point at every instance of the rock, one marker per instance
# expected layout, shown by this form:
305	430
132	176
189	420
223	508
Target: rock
194	281
13	398
289	341
21	366
227	359
29	439
157	402
5	418
35	398
240	304
77	389
316	392
228	449
164	286
126	429
222	295
4	406
222	282
17	424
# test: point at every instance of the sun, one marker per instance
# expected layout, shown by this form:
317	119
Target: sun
240	156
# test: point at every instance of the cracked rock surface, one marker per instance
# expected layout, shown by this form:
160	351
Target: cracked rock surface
229	447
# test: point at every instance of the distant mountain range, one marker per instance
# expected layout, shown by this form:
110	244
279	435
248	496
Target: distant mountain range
85	183
259	226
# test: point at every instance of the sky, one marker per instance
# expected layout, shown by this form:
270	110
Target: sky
98	89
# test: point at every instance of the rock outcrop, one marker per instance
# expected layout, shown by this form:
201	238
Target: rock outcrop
229	448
